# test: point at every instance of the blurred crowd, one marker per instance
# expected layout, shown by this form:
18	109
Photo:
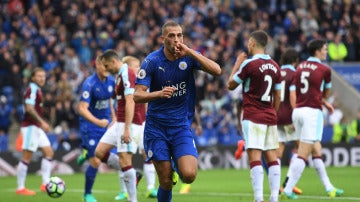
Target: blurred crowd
64	37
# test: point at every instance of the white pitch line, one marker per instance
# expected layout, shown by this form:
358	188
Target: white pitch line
99	191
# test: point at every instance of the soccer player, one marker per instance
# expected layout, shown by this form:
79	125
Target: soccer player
260	76
139	117
96	115
162	81
123	134
313	86
33	128
289	59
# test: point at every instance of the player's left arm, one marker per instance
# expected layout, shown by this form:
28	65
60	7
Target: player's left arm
129	115
207	65
112	111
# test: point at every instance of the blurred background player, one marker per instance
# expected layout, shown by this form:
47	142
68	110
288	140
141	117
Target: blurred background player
126	132
140	113
96	115
313	87
162	82
288	60
260	76
33	128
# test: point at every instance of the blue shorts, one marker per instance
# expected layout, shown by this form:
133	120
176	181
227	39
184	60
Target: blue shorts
90	140
163	143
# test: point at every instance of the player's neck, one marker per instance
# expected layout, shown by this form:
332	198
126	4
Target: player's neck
169	55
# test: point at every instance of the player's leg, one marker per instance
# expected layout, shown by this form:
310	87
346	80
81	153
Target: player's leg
22	173
254	135
165	174
89	142
307	122
150	175
46	162
90	175
297	166
321	171
29	146
274	172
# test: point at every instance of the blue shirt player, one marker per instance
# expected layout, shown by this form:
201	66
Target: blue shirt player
96	113
163	81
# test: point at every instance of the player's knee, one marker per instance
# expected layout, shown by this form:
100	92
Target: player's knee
99	153
166	183
188	177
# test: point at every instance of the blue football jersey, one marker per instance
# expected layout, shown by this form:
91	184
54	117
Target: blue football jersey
157	72
97	93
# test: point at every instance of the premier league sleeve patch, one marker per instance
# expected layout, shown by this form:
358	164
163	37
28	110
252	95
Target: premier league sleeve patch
85	94
141	74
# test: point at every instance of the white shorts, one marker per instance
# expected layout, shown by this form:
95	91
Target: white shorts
33	138
141	140
113	137
260	136
308	123
287	133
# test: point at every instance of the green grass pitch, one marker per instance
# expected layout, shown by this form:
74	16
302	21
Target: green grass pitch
210	186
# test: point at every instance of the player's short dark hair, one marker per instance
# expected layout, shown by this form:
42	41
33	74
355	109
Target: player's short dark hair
315	45
167	24
108	54
289	56
260	37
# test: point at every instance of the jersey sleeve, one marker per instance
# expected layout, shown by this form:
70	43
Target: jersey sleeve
86	92
30	94
128	81
144	76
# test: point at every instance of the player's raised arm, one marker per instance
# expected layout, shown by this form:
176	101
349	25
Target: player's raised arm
232	84
207	64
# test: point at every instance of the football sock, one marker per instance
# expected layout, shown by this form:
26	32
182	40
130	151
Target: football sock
45	170
130	182
297	166
21	174
321	171
257	179
90	175
149	171
294	156
164	195
122	182
274	180
113	161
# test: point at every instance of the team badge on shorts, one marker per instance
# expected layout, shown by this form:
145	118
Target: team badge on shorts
182	65
150	153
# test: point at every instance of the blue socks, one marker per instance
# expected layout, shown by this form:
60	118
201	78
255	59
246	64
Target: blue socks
90	175
164	195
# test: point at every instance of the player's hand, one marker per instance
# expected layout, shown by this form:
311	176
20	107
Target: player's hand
167	92
240	59
125	138
198	130
181	50
45	126
104	123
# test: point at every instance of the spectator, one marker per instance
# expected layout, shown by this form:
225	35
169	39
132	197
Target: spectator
343	132
337	49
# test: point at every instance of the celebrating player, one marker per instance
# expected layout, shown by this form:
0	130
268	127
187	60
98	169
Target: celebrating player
163	81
